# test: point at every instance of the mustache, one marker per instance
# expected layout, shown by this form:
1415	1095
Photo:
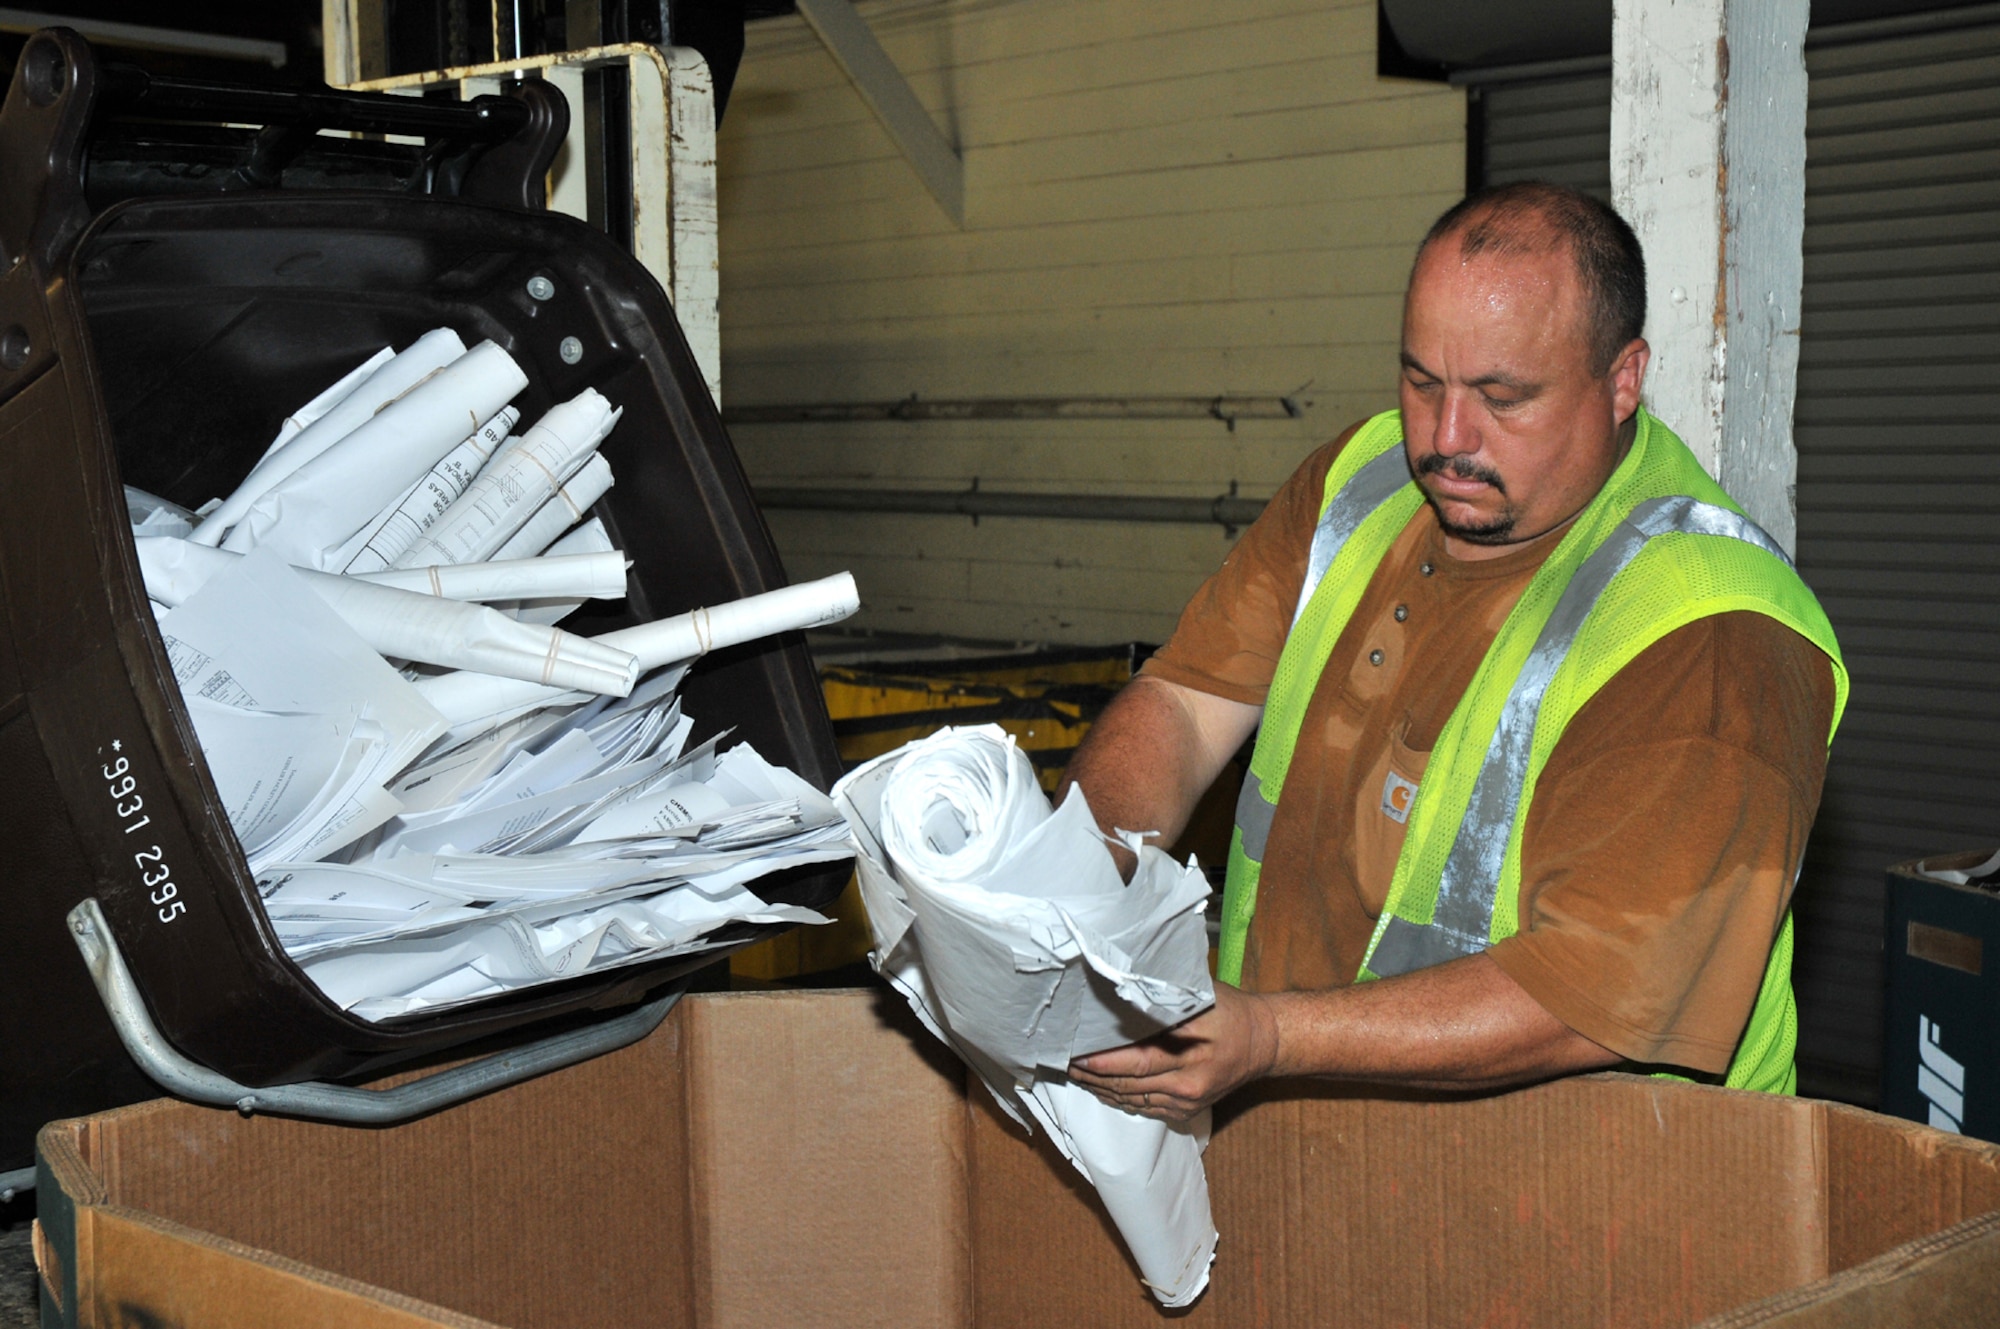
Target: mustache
1464	468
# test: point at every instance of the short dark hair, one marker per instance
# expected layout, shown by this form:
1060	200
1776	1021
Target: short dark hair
1523	217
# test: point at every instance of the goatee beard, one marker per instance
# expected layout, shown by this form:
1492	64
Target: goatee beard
1497	530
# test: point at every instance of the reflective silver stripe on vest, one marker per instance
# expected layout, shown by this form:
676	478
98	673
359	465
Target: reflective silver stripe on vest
1368	489
1463	919
1253	816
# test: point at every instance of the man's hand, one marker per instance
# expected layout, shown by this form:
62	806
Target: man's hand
1174	1075
1460	1025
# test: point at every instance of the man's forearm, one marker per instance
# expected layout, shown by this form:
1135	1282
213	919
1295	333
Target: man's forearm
1153	753
1461	1025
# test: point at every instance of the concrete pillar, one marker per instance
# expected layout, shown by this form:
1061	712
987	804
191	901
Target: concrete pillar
1708	119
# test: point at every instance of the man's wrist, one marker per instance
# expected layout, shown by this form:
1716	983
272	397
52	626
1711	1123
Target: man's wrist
1266	1042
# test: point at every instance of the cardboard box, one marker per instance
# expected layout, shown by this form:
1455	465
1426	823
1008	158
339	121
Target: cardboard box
781	1159
1940	1044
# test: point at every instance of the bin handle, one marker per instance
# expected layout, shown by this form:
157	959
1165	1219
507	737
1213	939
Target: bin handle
319	1101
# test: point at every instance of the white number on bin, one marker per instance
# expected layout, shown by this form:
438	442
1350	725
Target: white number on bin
154	874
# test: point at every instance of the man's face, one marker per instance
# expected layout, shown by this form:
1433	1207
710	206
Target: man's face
1509	427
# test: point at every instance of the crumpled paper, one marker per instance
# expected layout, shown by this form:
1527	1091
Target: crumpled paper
1008	929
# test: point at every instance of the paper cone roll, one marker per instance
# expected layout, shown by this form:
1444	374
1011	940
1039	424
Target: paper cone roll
466	698
404	625
578	576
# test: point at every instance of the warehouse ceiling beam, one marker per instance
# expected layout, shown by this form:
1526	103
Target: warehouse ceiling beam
1708	148
888	94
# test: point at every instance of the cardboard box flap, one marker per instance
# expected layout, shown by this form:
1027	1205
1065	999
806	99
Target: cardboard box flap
147	1271
1950	1277
1891	1181
560	1200
829	1165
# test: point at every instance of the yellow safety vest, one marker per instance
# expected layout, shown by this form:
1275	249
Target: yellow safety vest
1659	547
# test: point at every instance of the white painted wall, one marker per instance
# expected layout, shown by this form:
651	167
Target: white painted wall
1162	197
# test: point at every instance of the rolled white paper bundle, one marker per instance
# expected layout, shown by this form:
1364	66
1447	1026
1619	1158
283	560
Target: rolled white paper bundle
596	576
460	635
309	516
378	544
468	699
423	357
520	479
589	539
1009	930
407	626
591	482
810	604
1150	1178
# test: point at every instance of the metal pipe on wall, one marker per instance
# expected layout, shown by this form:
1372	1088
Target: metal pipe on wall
1226	409
1223	510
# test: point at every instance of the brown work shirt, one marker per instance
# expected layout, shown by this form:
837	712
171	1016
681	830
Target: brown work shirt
1658	857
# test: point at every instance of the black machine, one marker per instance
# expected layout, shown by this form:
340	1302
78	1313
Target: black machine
170	287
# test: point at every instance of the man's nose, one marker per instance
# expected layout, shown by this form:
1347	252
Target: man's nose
1457	429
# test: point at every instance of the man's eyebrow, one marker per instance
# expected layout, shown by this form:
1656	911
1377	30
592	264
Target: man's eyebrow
1497	379
1502	380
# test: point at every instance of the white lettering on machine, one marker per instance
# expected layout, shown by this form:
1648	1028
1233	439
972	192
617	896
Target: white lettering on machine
1009	931
442	794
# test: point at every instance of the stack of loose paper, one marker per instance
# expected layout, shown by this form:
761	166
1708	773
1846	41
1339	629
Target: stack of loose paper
600	841
1010	932
442	794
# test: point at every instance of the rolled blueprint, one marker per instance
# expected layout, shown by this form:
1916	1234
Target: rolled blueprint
408	626
379	543
591	482
356	406
307	517
470	700
1010	933
596	576
519	480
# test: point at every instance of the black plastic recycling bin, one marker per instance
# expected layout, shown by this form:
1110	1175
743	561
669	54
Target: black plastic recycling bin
159	341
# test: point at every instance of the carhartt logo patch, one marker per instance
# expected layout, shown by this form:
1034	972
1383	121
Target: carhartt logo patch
1397	795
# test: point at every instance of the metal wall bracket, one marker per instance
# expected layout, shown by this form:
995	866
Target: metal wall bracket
888	94
334	1102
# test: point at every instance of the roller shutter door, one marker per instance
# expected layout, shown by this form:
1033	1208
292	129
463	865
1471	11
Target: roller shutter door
1546	129
1898	431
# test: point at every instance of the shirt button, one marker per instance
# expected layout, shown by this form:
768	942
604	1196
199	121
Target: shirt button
1402	612
1426	569
1375	657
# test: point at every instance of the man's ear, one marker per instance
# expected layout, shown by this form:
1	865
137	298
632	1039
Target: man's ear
1628	378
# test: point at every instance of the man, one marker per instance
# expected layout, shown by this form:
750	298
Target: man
1538	755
